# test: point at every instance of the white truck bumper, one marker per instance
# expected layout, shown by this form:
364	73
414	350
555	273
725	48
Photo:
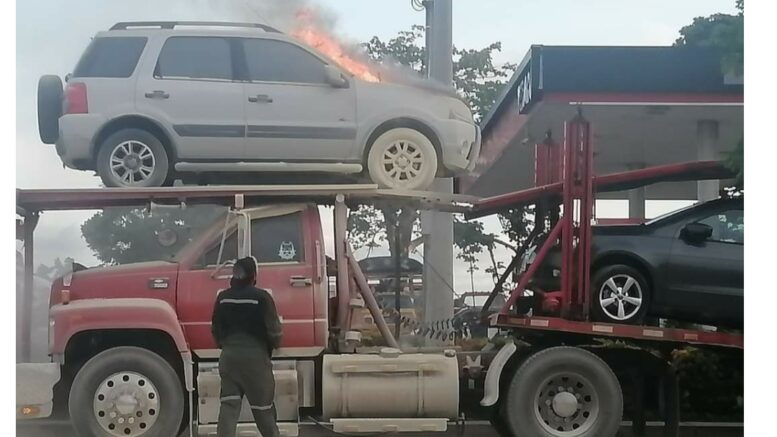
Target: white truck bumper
35	389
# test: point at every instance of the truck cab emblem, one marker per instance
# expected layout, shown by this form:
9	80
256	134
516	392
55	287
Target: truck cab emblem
287	251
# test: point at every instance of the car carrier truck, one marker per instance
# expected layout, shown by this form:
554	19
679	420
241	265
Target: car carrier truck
132	354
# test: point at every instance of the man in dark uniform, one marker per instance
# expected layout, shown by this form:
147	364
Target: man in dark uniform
246	328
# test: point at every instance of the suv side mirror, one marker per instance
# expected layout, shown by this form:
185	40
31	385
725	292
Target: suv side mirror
696	232
335	78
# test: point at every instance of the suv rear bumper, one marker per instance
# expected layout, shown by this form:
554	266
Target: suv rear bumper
76	133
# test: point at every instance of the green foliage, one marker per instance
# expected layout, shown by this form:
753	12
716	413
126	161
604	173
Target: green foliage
478	80
711	384
722	32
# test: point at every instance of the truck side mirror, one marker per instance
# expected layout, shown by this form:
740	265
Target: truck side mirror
335	78
696	232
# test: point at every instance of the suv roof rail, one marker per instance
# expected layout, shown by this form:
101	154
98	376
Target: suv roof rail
172	24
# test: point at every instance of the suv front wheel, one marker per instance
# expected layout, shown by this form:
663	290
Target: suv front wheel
402	158
133	158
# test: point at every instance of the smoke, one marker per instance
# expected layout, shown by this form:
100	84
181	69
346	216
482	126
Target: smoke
281	14
294	16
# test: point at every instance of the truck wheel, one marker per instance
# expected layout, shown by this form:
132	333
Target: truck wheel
133	158
402	158
564	392
49	107
620	295
127	391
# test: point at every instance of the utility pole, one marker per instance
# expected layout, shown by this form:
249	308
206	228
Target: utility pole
437	227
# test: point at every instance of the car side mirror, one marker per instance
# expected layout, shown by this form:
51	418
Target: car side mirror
696	232
335	78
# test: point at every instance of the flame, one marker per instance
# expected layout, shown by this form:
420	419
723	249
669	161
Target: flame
307	31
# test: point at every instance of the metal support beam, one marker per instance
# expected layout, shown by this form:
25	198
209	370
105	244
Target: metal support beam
30	221
343	278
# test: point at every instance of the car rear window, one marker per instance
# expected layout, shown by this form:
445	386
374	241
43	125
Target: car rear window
111	57
195	58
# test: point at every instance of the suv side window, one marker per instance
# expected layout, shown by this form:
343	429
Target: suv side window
278	239
211	256
114	56
194	57
269	60
727	226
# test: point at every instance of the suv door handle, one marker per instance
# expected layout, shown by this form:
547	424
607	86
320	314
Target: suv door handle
157	94
300	281
260	98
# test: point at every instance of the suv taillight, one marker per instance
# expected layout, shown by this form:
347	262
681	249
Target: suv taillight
75	99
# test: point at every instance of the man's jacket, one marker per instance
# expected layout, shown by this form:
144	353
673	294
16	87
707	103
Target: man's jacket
246	316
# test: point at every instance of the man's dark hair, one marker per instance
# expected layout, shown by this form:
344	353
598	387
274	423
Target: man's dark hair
244	272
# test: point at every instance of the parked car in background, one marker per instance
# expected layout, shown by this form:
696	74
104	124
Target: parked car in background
687	265
152	102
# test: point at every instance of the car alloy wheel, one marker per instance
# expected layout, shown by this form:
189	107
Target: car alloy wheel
402	158
132	162
621	297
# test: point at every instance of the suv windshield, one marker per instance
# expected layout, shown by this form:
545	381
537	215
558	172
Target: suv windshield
114	56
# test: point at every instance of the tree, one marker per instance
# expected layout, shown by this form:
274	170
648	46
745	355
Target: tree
725	34
478	80
127	235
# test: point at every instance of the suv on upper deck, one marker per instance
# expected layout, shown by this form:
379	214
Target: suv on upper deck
152	102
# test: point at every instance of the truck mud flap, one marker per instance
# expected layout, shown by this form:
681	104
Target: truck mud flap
35	389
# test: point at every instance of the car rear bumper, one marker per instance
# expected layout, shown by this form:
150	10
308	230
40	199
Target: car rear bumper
76	133
460	145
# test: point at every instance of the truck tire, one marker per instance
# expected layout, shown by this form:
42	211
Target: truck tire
127	391
49	107
402	158
133	158
564	391
619	294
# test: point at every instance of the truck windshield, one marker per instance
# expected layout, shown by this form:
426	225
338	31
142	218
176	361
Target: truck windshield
130	235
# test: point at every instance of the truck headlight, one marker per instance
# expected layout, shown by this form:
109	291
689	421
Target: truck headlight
51	335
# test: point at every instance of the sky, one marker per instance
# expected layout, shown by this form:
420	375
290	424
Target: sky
52	34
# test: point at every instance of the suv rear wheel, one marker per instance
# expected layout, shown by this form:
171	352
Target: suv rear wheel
133	158
402	158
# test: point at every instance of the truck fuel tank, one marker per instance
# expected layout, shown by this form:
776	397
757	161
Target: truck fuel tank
390	385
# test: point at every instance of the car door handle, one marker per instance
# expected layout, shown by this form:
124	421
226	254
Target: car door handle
300	281
157	94
260	98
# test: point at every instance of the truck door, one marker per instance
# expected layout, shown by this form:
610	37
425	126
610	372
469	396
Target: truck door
286	257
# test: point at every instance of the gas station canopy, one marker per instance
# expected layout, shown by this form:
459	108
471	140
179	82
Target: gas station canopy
648	106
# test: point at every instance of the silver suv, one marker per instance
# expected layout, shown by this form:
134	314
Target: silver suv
151	102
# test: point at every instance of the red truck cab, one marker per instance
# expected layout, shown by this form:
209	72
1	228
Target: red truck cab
176	296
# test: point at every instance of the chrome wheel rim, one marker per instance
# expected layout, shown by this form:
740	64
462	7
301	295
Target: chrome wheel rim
566	405
620	297
126	404
132	162
403	162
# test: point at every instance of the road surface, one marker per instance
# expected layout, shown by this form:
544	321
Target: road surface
61	428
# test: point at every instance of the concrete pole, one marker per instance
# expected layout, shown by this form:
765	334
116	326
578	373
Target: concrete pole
437	227
707	135
637	199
